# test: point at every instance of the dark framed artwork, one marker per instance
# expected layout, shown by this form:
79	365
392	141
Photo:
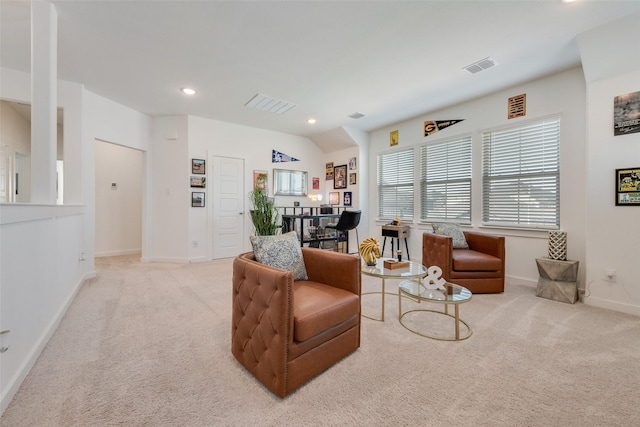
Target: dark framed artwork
197	199
329	171
347	197
198	166
352	178
628	187
340	177
199	181
334	198
626	114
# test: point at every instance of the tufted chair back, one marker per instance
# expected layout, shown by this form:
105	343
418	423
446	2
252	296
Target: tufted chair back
286	332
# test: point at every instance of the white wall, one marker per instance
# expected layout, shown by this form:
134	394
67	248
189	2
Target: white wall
211	137
563	94
119	208
612	67
170	200
42	246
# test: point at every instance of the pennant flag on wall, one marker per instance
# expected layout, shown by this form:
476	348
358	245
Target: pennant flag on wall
433	126
278	157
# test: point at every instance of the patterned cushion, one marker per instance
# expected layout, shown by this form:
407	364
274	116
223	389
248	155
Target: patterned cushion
454	231
280	251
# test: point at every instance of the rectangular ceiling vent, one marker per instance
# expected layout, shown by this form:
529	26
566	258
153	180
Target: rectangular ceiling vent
356	115
478	66
271	105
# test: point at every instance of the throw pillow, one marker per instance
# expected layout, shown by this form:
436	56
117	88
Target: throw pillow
280	251
454	231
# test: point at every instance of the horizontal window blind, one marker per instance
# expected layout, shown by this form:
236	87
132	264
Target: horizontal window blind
445	181
521	175
395	184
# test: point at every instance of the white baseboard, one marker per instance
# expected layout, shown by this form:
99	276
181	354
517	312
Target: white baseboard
512	280
116	253
612	305
30	360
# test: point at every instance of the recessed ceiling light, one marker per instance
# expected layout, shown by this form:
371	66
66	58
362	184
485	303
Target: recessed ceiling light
187	91
311	121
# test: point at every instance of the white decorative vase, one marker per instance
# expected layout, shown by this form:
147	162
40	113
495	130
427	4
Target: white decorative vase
558	245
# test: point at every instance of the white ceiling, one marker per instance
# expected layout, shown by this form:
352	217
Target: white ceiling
390	60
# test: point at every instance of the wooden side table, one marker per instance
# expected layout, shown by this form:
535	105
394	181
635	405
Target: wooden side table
558	280
396	232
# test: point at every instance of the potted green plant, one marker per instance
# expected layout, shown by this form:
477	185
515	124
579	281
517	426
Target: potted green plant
264	214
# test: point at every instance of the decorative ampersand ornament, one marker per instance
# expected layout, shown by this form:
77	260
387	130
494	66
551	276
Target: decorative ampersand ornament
434	279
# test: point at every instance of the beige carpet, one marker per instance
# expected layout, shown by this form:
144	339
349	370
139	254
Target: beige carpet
149	345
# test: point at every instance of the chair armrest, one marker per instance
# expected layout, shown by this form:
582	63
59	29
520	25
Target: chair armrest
486	243
333	268
436	250
261	322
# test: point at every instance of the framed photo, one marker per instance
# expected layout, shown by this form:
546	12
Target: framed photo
329	171
347	198
393	138
628	187
315	182
198	166
352	163
199	181
626	114
352	178
334	198
340	177
197	199
261	180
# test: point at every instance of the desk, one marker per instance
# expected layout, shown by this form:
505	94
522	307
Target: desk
314	238
396	232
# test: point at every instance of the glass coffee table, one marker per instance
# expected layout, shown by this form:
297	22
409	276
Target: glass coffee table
414	270
454	295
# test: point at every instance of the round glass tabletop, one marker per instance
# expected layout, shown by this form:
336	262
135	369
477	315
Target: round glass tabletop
413	270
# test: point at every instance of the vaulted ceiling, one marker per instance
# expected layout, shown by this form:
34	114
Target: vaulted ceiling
388	60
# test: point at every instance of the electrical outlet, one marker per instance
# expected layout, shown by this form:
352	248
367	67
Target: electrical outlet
195	243
610	274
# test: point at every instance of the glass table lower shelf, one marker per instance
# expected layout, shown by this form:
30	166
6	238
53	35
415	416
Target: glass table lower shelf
452	295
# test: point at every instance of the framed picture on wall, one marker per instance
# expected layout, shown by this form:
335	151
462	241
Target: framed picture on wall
347	198
628	187
334	198
340	177
315	183
261	180
352	178
197	199
352	163
199	181
329	171
197	166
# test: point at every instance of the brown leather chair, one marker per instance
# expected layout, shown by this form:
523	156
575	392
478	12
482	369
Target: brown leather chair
479	268
286	332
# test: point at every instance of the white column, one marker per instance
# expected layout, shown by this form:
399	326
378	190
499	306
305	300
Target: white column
44	80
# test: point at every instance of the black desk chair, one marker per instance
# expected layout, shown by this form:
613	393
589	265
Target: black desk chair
349	220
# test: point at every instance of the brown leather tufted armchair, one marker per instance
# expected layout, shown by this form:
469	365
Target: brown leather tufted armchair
286	332
479	268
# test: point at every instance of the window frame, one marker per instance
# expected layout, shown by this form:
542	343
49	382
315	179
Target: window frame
407	186
457	149
538	159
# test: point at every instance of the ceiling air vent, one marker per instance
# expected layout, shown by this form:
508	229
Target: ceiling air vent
356	115
483	64
272	105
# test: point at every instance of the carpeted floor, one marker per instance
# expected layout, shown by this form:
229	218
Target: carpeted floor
149	345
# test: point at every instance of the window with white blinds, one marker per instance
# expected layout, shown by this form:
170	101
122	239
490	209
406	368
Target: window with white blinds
521	175
445	181
395	184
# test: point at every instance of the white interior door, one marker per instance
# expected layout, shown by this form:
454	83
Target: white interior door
228	206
